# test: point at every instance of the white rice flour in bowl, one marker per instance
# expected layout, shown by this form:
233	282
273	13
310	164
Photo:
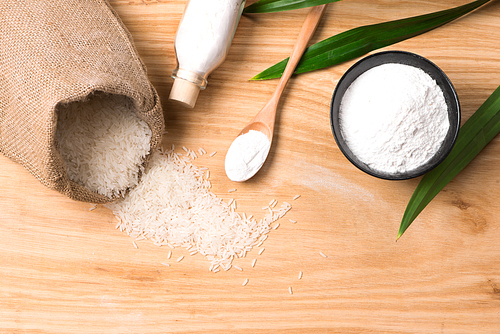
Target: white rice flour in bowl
395	115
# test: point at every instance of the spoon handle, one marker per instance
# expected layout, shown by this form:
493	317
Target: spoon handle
308	28
265	118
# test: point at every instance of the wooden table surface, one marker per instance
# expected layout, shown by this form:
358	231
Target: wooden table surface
65	269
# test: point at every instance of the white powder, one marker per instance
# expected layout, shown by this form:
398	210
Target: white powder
394	118
205	33
246	155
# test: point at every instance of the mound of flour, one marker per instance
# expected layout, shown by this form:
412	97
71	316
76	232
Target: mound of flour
394	118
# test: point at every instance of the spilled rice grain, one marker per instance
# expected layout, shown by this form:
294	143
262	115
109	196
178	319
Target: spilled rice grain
173	206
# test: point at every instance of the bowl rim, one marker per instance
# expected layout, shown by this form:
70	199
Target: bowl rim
407	58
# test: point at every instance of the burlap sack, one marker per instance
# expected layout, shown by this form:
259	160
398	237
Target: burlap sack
59	51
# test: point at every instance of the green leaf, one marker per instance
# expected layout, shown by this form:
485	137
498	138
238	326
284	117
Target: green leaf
270	6
478	131
359	41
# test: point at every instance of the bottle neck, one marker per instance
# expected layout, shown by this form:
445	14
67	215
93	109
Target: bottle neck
195	78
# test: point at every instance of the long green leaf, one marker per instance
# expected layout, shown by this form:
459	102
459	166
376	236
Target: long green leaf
359	41
478	131
271	6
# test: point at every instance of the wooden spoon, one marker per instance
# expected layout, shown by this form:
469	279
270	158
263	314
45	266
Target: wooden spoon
265	119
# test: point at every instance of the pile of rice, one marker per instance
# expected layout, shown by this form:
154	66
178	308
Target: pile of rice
173	206
103	143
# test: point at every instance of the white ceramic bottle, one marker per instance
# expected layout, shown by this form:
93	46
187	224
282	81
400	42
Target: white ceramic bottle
202	42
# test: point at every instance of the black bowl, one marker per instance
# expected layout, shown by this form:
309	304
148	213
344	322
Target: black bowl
406	58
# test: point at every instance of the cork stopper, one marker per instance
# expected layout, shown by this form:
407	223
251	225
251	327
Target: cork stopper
184	92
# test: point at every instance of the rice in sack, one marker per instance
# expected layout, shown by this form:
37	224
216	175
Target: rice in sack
76	107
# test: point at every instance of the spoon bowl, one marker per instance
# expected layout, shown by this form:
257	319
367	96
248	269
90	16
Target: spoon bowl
258	126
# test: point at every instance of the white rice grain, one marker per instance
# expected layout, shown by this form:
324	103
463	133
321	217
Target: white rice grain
245	282
103	143
174	206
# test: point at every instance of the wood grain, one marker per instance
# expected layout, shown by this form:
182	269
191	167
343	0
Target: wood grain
65	269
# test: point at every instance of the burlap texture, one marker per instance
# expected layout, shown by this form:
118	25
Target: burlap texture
60	51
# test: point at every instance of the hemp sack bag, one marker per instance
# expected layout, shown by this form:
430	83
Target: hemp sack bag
59	51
